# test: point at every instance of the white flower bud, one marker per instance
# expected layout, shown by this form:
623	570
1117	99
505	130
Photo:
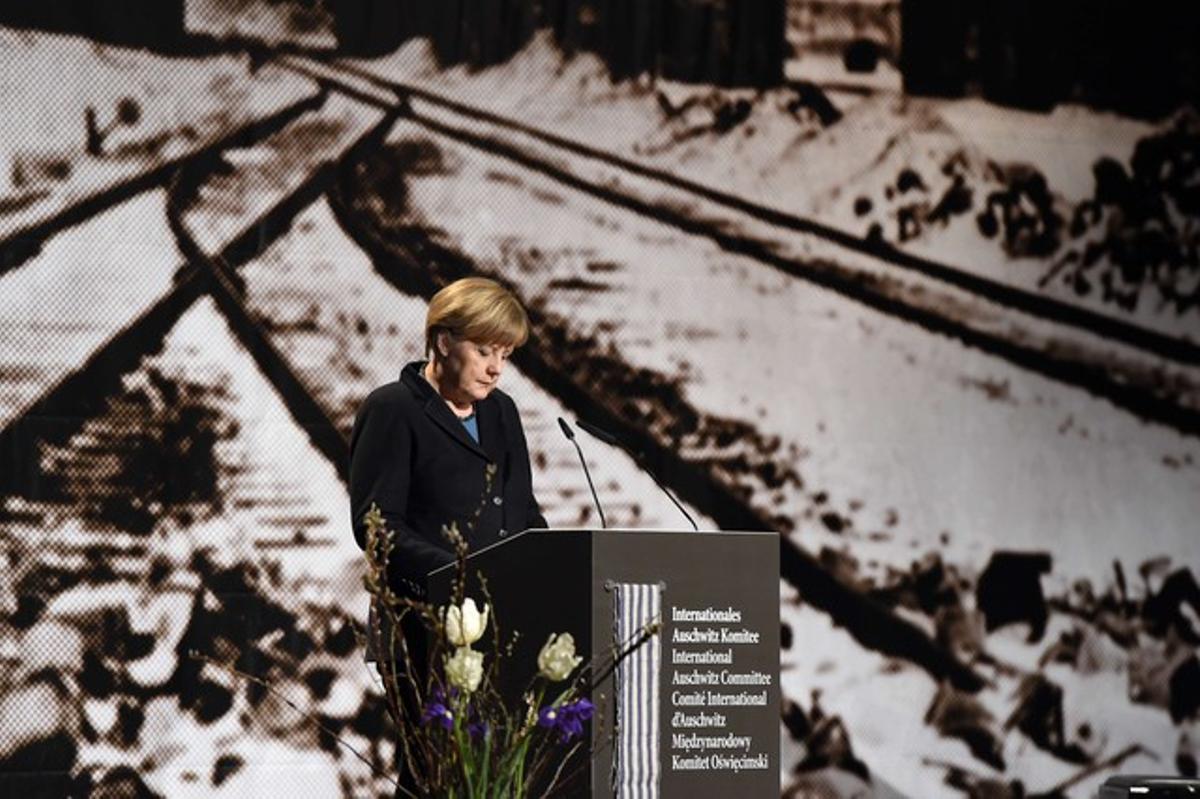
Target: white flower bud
557	659
465	625
464	669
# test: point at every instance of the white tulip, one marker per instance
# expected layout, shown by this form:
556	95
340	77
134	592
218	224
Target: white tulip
464	670
557	659
465	625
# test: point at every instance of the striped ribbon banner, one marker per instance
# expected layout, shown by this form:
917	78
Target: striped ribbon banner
637	766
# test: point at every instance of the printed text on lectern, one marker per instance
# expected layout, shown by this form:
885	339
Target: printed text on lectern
711	693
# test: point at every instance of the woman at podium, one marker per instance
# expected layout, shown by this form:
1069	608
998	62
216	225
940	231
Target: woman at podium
442	445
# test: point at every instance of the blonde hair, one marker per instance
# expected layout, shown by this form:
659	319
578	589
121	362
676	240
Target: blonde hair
478	309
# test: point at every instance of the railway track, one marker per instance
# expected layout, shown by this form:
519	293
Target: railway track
1154	376
23	239
63	404
1151	341
556	359
561	360
55	414
420	267
698	482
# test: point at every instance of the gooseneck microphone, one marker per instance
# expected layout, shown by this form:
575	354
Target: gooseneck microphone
603	435
570	434
639	459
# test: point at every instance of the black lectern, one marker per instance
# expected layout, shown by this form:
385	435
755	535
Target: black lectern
696	714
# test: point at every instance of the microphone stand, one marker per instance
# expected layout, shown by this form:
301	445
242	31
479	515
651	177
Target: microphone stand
570	434
639	459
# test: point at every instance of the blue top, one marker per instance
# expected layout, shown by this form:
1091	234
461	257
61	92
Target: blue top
472	425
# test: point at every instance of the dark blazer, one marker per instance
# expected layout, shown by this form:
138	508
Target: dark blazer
412	456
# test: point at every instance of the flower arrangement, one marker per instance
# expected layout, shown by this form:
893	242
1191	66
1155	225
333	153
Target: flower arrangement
457	734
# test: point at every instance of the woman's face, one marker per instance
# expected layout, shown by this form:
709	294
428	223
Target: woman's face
470	370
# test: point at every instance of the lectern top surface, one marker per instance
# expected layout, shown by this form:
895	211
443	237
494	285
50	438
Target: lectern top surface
621	531
1138	781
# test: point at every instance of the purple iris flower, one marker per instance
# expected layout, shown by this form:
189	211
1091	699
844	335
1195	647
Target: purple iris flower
438	709
438	712
566	719
477	729
476	726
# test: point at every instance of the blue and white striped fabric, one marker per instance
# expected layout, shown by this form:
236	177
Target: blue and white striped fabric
637	693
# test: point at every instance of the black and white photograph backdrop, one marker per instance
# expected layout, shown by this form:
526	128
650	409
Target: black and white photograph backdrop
914	284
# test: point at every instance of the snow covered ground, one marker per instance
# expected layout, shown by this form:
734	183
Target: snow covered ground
1044	466
271	487
924	445
779	154
346	330
179	104
54	311
907	445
